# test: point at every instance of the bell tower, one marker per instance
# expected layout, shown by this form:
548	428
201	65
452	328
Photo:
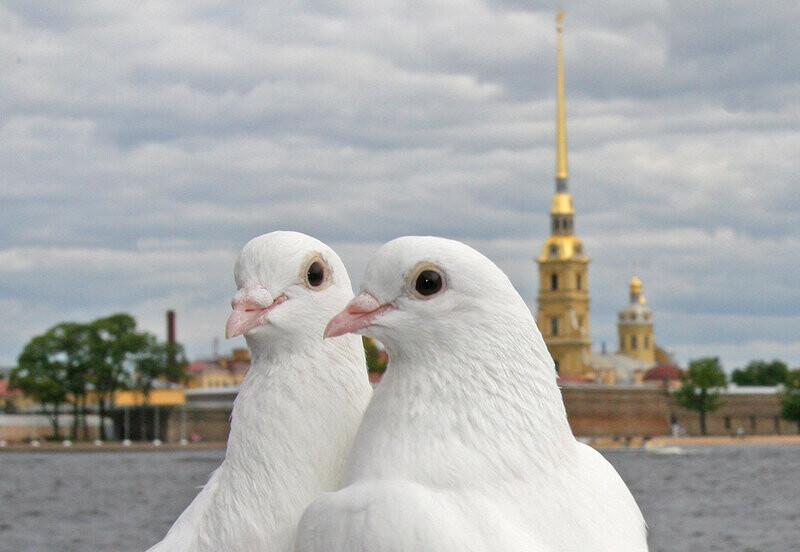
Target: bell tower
563	316
635	325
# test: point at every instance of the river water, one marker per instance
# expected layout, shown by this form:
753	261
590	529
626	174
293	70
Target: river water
736	498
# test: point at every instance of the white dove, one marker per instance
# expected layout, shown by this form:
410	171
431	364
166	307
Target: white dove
298	408
465	445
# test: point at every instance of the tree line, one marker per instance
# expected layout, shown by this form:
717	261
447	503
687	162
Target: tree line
702	382
73	364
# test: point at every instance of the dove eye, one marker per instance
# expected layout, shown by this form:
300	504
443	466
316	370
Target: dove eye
316	274
426	281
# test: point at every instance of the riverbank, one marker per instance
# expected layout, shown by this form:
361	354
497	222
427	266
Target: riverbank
724	440
708	441
601	444
110	446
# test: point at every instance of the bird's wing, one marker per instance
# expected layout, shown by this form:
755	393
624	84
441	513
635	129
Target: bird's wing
612	502
182	536
400	516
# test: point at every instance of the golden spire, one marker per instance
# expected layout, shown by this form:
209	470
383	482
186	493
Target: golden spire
561	128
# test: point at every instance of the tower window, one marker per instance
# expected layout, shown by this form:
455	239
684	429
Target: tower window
553	250
554	281
554	326
647	342
578	281
633	342
558	366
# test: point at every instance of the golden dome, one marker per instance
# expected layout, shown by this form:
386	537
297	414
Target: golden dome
636	285
636	291
562	205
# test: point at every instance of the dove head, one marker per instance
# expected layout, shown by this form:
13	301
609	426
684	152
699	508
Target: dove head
289	285
425	291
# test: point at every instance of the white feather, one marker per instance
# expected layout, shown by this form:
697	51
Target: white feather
296	414
466	445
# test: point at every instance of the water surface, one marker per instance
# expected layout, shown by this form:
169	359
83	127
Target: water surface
737	498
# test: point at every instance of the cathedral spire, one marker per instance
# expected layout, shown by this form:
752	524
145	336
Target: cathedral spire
563	316
561	123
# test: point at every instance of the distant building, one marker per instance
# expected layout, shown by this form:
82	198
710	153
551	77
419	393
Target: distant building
10	399
563	316
563	297
636	326
667	375
222	372
637	348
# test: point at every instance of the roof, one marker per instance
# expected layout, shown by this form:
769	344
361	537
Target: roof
239	366
562	204
6	392
663	372
733	389
624	365
200	366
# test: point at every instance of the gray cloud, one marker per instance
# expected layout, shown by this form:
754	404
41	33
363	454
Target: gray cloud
142	147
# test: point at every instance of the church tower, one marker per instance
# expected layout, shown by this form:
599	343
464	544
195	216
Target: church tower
563	298
636	326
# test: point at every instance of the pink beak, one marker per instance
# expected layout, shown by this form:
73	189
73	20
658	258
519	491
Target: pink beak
358	314
250	309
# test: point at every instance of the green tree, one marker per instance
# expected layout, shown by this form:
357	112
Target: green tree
157	361
53	370
114	344
71	360
790	400
374	361
699	390
40	377
761	372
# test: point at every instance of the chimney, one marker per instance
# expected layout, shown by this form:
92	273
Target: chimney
171	336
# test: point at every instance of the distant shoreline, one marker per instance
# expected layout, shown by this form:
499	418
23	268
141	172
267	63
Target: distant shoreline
726	440
708	441
599	443
111	446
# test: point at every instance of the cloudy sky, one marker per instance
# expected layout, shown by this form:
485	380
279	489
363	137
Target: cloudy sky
142	144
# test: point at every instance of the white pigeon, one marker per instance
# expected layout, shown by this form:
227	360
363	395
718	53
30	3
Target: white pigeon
297	410
465	445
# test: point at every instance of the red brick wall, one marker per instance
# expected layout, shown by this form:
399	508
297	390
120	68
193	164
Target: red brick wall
593	411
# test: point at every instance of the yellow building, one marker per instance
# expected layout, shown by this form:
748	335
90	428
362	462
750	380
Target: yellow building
222	372
635	326
563	316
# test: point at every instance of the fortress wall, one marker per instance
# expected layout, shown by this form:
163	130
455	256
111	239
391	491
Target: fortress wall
608	411
593	411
